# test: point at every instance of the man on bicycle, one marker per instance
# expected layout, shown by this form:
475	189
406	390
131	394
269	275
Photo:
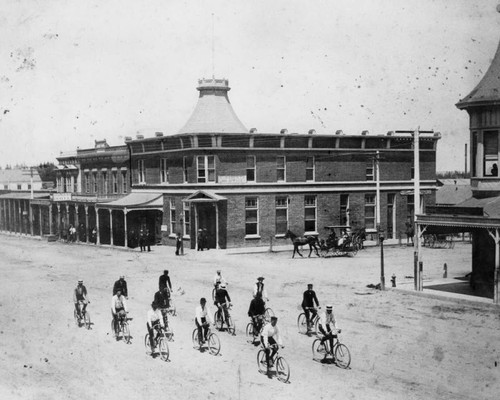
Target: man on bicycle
327	326
218	279
222	301
154	321
122	285
270	338
80	297
256	311
118	308
259	288
164	281
162	301
308	300
202	315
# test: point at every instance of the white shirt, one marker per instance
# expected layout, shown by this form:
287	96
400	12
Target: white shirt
327	318
203	313
271	331
118	302
219	279
153	316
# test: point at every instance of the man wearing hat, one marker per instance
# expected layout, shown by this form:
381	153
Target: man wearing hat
259	288
153	320
80	297
327	326
122	285
164	281
270	338
222	301
309	299
118	308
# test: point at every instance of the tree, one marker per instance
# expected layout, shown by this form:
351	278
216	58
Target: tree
47	172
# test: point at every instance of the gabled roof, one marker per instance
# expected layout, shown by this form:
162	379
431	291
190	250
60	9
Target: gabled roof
490	205
487	92
204	196
18	176
213	112
453	194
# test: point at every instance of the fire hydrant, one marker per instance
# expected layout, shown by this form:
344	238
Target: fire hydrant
393	280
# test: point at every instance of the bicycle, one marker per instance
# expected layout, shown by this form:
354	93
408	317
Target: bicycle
83	318
340	353
282	367
172	310
212	342
313	322
268	314
161	343
220	319
168	331
251	334
123	328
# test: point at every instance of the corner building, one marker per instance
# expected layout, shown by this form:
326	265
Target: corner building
247	188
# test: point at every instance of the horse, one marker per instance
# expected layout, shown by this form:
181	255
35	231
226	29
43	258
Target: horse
359	237
301	241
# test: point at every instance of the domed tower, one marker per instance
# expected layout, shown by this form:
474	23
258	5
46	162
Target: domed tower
213	112
483	106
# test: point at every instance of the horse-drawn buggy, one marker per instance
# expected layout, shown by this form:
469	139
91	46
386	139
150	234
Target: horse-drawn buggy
344	244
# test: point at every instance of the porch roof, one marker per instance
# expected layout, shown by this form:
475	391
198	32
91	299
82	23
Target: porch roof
136	201
204	196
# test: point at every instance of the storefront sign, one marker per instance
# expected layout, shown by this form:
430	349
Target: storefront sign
61	197
232	179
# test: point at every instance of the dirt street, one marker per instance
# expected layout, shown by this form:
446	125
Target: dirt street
403	346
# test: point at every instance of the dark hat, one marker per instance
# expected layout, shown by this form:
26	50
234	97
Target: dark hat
309	284
203	300
165	271
260	278
274	318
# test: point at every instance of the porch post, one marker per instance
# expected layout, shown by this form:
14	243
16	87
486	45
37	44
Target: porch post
125	226
196	226
59	220
217	225
496	299
86	224
30	206
97	228
40	216
77	222
51	223
111	226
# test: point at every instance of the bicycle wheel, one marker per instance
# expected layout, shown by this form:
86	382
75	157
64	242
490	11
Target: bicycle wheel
172	310
213	344
194	337
77	320
126	332
302	323
268	314
218	321
261	362
213	294
86	319
249	330
323	252
147	344
318	350
342	355
113	330
232	326
163	348
282	369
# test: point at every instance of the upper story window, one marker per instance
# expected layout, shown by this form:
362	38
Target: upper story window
250	168
115	182
310	173
280	168
18	187
141	171
163	170
251	216
124	182
310	213
490	159
206	168
94	177
369	171
104	182
185	169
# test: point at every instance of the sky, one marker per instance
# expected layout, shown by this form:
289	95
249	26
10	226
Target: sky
72	72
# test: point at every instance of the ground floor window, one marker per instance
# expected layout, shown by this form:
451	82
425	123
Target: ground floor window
369	211
251	216
172	217
344	209
187	219
281	215
310	213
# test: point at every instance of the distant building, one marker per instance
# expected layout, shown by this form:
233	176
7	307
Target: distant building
451	192
19	179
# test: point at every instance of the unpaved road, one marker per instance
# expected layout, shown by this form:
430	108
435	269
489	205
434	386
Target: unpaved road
403	346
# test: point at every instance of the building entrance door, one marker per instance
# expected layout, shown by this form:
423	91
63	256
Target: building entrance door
206	220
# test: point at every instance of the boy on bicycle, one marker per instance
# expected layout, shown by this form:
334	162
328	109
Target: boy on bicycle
153	322
162	300
202	313
308	300
327	326
80	297
118	308
270	338
222	301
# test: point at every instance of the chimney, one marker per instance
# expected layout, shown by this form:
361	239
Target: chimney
311	132
128	139
253	130
339	132
284	131
364	133
158	134
390	133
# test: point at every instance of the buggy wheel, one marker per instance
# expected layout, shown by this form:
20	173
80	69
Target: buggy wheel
282	369
302	323
163	348
353	252
86	319
268	314
318	350
126	332
213	294
249	330
147	345
213	344
342	355
194	337
316	324
219	324
261	362
323	252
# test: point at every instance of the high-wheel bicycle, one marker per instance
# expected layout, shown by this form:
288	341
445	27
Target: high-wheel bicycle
212	342
340	353
123	329
313	322
220	320
161	343
281	365
83	318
